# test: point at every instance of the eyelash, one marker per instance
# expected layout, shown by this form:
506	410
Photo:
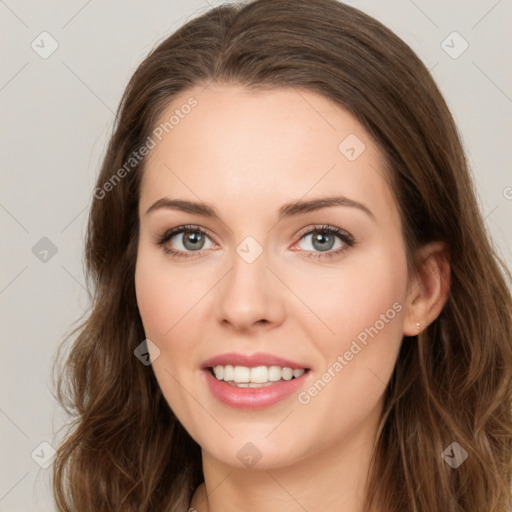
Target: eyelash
344	236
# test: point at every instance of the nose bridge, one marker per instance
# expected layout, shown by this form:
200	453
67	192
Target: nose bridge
249	292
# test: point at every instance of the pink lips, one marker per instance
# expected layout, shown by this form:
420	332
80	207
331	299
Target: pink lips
258	359
253	398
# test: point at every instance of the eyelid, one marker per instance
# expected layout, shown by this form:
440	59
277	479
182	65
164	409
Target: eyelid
342	233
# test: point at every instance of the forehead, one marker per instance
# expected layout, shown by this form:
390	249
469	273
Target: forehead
252	147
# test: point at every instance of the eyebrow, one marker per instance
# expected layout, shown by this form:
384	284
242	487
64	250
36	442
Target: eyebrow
287	210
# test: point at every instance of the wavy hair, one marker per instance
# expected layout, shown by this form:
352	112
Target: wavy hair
124	449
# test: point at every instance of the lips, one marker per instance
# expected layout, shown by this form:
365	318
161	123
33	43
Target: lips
252	360
253	398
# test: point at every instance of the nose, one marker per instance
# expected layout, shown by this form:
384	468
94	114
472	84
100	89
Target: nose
250	296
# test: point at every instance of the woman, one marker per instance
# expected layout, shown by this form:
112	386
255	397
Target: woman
342	338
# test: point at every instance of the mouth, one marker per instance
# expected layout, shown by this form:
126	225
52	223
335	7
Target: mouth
254	381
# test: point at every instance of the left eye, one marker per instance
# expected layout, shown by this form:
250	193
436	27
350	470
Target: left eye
320	241
323	239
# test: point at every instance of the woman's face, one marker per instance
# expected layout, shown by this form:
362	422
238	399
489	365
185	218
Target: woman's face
259	274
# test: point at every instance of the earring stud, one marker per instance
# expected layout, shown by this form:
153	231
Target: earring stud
418	325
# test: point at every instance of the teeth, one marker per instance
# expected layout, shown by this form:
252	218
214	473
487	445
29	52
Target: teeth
258	376
219	372
241	374
275	373
287	373
228	372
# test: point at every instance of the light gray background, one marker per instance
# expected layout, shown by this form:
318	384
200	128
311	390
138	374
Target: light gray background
57	114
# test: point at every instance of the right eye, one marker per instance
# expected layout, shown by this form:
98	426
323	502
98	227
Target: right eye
190	238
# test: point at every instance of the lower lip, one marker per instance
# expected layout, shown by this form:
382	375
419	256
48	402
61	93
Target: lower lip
253	398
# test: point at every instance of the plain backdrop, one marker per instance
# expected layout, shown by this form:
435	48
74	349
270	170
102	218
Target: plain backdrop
57	110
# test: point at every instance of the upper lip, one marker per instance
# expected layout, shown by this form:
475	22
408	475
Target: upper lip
252	360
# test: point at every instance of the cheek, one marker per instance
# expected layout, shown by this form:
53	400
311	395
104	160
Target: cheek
161	304
363	310
152	299
365	294
163	296
359	358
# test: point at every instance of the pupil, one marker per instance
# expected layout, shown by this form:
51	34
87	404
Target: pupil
192	237
321	237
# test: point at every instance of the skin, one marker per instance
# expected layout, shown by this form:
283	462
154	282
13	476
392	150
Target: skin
247	153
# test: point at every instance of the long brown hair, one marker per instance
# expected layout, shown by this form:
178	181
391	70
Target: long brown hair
125	449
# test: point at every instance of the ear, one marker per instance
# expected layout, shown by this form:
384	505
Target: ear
428	288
